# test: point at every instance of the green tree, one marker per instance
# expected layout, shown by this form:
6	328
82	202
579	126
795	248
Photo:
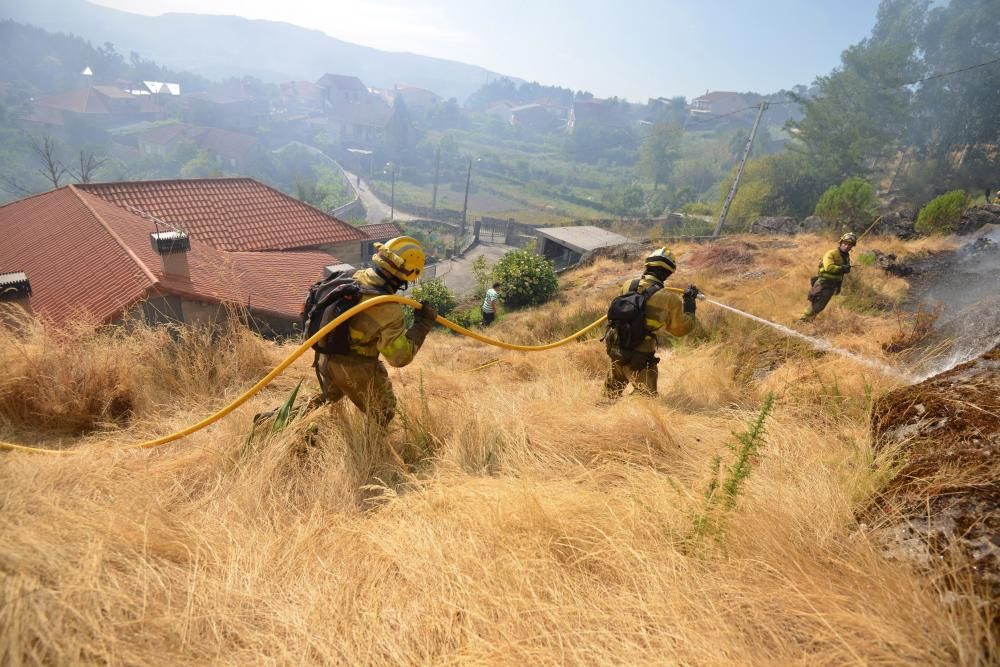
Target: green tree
957	113
942	213
525	278
203	165
852	202
436	293
860	112
658	153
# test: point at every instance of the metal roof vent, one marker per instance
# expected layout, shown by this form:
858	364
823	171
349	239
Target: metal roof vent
14	286
169	242
331	269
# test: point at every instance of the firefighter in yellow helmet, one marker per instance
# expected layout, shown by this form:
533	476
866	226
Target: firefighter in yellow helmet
830	278
631	344
380	330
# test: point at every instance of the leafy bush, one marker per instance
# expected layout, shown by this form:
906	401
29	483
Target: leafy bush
467	317
942	213
483	275
852	202
697	208
436	293
525	279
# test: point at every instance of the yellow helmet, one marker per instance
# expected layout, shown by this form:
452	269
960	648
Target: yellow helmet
402	257
662	259
849	237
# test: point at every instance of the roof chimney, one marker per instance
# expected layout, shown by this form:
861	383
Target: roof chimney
172	246
15	290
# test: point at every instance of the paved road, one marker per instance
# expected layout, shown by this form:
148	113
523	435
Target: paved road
375	209
457	273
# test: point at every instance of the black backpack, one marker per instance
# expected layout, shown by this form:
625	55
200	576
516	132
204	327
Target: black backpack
327	299
627	315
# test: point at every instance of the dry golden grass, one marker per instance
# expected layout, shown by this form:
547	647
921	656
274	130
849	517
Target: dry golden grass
508	517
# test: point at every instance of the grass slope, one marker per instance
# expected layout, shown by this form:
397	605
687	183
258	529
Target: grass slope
508	517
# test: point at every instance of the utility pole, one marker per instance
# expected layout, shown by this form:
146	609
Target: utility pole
465	206
392	197
739	172
437	172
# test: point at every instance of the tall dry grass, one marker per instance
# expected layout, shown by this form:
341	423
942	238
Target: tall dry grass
509	516
83	378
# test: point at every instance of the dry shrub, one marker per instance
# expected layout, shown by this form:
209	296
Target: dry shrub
914	331
81	378
721	257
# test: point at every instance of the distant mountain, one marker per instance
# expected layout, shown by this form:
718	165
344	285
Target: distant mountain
222	46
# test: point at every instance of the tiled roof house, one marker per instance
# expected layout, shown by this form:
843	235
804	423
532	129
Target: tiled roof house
85	256
378	232
717	102
231	148
107	106
236	215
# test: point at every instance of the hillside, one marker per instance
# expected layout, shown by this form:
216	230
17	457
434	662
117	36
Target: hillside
510	516
215	47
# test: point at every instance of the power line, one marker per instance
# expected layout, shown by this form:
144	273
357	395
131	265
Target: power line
711	116
715	116
938	76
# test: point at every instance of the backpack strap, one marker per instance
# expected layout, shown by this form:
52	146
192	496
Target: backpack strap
648	294
634	286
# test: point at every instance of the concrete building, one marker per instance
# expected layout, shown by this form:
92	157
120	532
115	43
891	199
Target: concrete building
566	246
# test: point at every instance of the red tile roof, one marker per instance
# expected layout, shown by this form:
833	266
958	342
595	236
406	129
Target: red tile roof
381	230
93	99
235	214
85	255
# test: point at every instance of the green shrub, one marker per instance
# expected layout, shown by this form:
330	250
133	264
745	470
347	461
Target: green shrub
525	279
942	213
436	293
467	317
852	202
698	208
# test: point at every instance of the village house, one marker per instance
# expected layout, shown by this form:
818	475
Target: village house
69	254
356	116
597	114
717	103
102	107
534	118
419	101
234	109
302	98
566	246
378	232
235	215
232	149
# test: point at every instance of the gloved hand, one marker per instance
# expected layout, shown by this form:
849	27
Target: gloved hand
427	312
845	268
690	299
423	320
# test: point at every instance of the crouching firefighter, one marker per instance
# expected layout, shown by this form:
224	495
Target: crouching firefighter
641	309
830	277
347	360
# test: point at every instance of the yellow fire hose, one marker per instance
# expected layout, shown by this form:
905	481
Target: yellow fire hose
391	298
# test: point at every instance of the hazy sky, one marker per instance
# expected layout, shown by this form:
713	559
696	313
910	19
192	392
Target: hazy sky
631	48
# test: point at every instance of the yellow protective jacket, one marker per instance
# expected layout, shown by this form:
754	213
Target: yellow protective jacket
380	329
664	310
832	266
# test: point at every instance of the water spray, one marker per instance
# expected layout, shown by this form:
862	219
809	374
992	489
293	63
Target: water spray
817	343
